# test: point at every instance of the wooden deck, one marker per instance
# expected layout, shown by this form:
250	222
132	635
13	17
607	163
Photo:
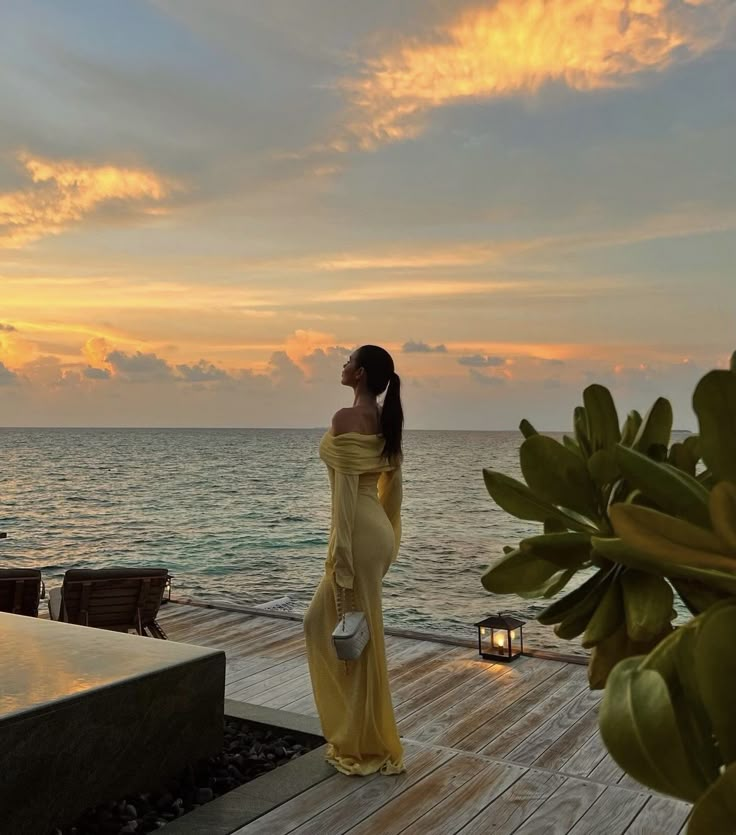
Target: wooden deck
491	748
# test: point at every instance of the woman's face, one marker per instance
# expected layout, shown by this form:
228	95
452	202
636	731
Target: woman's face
350	372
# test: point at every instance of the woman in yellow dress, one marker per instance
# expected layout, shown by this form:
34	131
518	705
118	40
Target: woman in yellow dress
362	452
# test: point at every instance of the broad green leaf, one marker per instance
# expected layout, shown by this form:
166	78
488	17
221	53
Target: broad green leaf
524	575
675	492
715	811
647	604
517	499
606	655
602	417
568	550
554	526
572	445
582	600
653	532
696	595
630	428
582	436
526	429
656	428
715	666
557	475
714	402
674	659
603	467
608	616
618	551
685	455
640	729
723	513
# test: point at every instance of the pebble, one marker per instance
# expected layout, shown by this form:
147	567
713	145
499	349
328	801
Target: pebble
248	751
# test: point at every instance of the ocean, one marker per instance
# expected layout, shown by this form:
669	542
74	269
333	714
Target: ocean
242	516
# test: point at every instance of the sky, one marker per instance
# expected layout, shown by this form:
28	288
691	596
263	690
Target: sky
205	206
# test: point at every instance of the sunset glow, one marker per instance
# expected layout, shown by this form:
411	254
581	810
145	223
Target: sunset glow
203	210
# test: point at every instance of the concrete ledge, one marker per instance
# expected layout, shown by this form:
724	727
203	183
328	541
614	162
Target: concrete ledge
261	715
87	714
239	807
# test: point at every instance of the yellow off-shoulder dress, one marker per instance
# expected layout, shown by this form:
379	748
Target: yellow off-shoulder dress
353	699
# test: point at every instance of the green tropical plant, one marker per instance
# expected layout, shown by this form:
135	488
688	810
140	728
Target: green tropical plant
667	715
571	488
668	718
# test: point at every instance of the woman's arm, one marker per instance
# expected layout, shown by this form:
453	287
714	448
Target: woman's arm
344	504
390	494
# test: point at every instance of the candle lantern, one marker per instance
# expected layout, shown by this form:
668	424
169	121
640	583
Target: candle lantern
500	638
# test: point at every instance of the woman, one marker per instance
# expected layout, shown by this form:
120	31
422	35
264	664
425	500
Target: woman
362	452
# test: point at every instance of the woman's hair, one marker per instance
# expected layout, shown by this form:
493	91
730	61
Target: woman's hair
380	376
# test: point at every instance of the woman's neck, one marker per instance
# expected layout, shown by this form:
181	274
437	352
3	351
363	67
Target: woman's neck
366	400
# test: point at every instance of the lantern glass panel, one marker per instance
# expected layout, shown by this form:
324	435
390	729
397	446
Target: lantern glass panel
500	641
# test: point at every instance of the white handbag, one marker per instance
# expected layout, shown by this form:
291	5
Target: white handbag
351	634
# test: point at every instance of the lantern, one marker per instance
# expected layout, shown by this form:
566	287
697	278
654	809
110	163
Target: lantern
500	638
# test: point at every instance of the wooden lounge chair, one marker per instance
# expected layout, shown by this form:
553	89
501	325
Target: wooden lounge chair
20	591
119	599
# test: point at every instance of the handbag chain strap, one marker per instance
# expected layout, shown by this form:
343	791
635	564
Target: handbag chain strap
342	596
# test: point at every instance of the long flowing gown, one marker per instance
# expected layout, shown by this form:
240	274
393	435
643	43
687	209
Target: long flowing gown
353	699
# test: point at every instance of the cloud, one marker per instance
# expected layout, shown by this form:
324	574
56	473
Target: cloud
97	373
423	348
139	366
7	328
202	372
484	379
283	369
378	291
64	192
7	377
481	361
325	364
515	47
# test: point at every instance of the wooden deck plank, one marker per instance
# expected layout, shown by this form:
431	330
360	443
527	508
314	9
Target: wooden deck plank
550	731
468	802
417	666
588	757
333	805
283	694
244	673
284	673
540	766
503	710
400	812
362	807
660	816
565	747
607	771
514	806
558	814
470	702
304	705
538	715
612	813
462	672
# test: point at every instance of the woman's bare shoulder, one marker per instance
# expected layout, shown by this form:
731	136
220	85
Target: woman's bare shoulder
345	420
353	419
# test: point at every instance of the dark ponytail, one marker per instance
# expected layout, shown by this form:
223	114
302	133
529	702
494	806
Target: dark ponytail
381	377
392	419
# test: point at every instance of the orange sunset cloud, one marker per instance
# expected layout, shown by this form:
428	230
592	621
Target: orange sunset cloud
514	46
64	192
